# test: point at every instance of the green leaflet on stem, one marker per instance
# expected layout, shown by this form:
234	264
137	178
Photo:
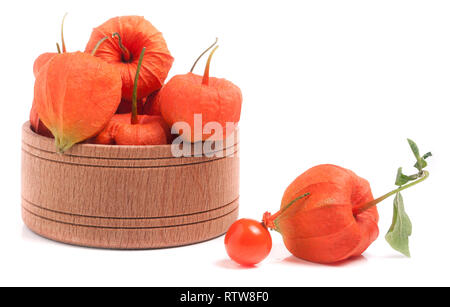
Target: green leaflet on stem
421	163
401	227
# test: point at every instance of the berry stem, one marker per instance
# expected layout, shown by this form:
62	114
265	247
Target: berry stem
269	219
134	117
195	63
363	207
126	55
62	34
205	80
98	45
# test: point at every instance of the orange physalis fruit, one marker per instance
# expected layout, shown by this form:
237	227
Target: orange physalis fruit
217	100
127	36
150	130
316	217
134	129
76	94
36	124
328	213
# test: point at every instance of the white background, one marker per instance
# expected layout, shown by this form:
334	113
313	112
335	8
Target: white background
343	82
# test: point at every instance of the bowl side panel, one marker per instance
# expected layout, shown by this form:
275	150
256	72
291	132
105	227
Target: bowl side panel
127	197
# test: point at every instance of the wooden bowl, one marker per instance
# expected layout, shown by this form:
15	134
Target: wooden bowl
128	197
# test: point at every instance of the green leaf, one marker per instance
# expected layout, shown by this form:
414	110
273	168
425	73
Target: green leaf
428	154
402	178
414	148
400	229
421	163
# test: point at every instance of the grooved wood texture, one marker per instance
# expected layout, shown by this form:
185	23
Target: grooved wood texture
128	197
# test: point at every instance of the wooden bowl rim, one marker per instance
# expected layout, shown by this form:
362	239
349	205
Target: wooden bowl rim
44	143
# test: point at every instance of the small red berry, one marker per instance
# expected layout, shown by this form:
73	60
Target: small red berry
248	242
